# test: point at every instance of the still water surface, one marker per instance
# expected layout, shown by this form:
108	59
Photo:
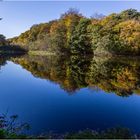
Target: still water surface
60	95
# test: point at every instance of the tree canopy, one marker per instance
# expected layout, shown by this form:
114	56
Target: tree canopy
117	33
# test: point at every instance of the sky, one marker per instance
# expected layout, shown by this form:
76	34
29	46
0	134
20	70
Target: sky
19	16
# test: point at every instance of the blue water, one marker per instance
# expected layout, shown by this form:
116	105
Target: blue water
47	107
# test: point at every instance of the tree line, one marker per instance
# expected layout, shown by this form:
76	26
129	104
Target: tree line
117	33
7	48
2	39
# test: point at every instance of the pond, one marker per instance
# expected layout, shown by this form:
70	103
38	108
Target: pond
66	94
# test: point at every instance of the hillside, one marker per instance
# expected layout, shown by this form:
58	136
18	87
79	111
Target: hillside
6	48
116	34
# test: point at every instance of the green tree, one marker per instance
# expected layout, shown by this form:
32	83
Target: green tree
2	40
58	38
81	40
71	19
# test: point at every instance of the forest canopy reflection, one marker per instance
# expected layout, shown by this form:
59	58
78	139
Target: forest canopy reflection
110	74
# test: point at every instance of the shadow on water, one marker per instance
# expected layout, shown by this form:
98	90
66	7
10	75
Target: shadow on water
111	74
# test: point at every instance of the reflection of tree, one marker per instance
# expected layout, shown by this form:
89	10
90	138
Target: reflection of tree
5	57
75	72
54	68
121	77
79	68
2	62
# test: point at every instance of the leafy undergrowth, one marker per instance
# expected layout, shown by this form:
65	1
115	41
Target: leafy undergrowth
10	128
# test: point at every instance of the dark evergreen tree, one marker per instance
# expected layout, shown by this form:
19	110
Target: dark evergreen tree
81	40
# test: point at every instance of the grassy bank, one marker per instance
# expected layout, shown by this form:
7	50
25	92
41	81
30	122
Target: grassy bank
42	53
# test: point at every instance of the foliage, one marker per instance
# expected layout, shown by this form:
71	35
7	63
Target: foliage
58	38
80	41
110	133
10	128
2	40
5	48
53	36
115	34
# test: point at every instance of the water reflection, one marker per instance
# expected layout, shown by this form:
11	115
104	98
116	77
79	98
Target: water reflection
46	104
119	75
5	58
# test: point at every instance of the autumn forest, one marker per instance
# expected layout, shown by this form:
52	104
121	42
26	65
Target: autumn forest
115	34
70	74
